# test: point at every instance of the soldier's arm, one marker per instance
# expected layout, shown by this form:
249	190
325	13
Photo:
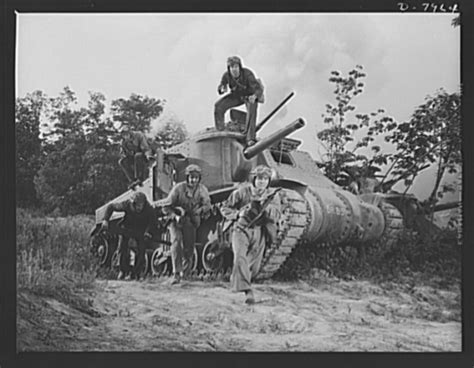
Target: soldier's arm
118	207
231	207
273	210
205	204
254	86
144	147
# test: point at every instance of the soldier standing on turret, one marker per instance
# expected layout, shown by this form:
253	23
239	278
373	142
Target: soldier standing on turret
249	237
244	88
193	198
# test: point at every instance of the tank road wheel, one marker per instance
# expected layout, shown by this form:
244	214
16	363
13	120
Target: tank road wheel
213	257
191	266
159	262
103	247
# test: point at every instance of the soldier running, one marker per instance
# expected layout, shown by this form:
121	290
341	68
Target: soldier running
193	198
243	207
136	154
137	223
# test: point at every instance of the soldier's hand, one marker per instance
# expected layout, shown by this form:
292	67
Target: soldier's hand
147	236
252	98
105	225
221	89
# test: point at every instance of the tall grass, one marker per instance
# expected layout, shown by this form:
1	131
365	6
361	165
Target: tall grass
53	257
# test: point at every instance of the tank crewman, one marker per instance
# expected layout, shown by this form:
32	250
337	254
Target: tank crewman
135	154
193	198
249	236
137	223
244	88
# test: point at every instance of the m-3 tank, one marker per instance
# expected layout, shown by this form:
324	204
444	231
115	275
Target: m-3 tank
315	209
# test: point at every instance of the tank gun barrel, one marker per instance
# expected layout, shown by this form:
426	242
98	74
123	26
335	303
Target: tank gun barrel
258	147
446	206
274	111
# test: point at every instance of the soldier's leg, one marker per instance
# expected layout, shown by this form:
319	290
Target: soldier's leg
220	108
189	241
124	254
139	166
240	277
251	121
255	256
126	163
176	237
140	257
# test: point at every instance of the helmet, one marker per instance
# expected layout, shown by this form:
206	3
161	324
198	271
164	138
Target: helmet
261	171
193	169
232	60
138	198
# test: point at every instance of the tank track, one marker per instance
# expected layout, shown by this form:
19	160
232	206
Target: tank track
393	225
293	225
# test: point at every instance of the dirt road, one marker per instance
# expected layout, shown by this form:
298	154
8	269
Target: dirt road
324	315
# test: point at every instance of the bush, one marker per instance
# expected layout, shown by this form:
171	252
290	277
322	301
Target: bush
53	257
431	261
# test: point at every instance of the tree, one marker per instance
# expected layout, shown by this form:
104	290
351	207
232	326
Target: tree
171	133
343	156
431	136
137	112
28	111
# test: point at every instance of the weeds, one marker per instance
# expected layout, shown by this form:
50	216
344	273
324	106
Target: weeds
435	262
53	257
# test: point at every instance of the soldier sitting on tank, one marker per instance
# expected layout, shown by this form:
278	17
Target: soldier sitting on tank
136	154
138	222
193	198
244	88
248	242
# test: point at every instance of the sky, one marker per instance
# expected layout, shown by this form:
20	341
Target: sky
180	57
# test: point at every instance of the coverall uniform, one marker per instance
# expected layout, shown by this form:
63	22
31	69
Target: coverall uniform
134	154
248	244
133	225
196	204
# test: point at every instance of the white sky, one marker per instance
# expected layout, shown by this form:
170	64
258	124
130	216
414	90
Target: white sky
180	57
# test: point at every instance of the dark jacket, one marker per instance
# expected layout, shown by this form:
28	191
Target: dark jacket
138	222
245	85
137	143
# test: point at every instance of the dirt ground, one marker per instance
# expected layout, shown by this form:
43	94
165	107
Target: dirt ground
319	315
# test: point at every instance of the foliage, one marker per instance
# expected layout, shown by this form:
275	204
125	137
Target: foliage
344	161
432	135
28	111
171	133
53	256
136	112
81	150
436	262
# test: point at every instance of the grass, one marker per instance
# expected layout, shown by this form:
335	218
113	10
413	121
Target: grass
53	257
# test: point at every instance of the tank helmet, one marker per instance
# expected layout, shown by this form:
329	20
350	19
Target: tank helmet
193	168
261	171
138	198
232	60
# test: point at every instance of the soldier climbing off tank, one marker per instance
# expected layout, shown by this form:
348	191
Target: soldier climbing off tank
193	198
254	225
138	222
136	155
244	88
